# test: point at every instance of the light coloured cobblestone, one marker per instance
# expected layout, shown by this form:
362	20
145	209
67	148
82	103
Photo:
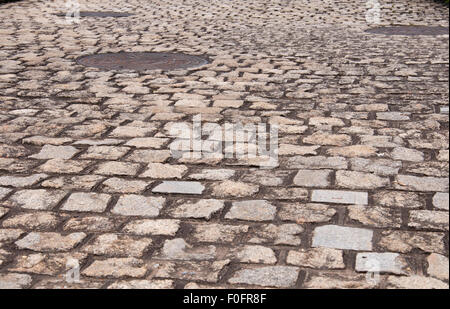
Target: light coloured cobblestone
118	185
180	187
362	147
117	169
340	197
317	162
15	281
258	210
429	219
338	281
50	241
375	216
142	285
398	199
35	221
20	182
84	182
198	271
230	188
405	242
359	151
320	258
164	171
339	237
86	202
116	268
382	167
201	209
306	213
440	201
178	249
117	245
422	184
360	181
254	255
438	266
138	205
91	224
61	166
165	227
271	276
313	178
392	263
56	152
405	154
36	199
219	233
415	283
285	234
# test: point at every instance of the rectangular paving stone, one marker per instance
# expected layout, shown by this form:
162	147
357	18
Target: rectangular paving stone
14	281
429	219
46	242
117	245
89	202
36	199
56	152
340	197
359	180
21	181
118	168
116	268
320	258
392	263
317	162
139	205
186	270
313	178
258	210
180	187
271	276
335	280
341	237
408	241
421	184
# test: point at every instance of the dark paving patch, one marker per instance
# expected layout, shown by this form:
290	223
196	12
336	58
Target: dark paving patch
409	30
100	14
142	61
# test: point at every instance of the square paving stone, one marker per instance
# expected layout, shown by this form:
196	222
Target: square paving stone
139	205
87	202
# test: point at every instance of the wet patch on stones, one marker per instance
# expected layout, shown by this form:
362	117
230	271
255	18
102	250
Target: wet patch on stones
142	61
410	30
100	14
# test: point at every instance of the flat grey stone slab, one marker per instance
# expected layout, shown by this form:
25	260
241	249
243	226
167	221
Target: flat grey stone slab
180	187
340	237
380	262
340	197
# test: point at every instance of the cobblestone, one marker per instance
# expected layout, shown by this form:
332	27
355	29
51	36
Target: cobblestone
87	171
273	276
392	263
339	237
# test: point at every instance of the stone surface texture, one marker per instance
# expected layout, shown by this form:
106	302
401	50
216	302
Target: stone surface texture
89	175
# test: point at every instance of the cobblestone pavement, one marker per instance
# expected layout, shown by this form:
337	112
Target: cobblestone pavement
361	182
